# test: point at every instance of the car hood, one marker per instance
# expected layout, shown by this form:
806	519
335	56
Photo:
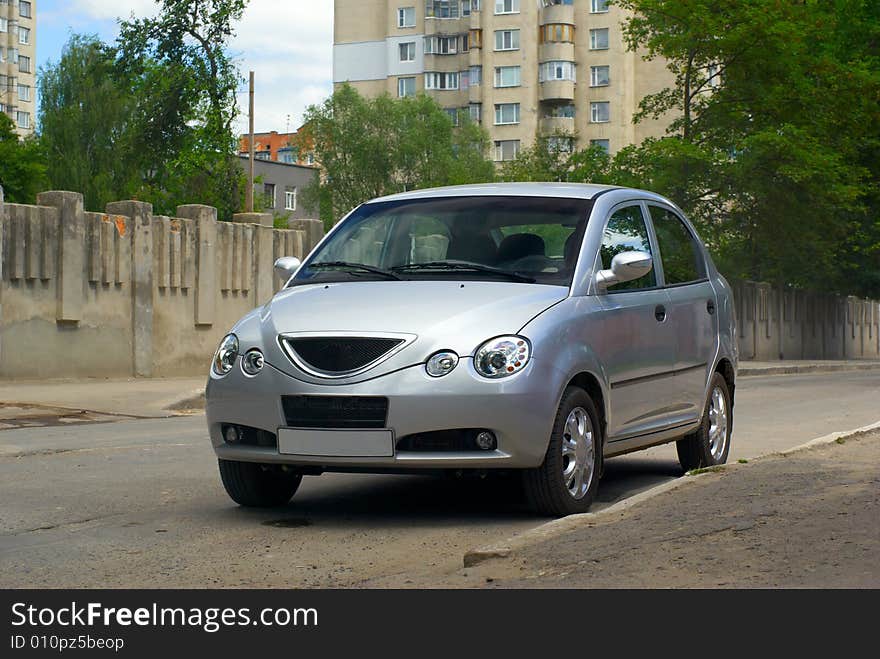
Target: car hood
440	315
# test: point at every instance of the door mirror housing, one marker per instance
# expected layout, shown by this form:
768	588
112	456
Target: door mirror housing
625	266
286	266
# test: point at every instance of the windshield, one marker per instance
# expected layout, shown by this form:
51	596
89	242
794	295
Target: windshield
522	239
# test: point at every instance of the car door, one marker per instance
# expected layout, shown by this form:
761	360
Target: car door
692	307
634	341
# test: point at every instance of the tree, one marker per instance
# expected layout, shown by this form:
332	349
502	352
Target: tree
22	165
775	119
370	147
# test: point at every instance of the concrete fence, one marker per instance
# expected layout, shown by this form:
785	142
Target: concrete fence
780	323
127	292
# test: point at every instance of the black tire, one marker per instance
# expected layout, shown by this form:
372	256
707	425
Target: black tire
695	450
257	485
545	488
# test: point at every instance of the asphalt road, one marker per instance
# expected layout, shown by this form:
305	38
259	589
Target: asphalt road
139	503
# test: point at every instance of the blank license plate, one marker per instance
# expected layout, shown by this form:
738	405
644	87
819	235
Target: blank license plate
336	443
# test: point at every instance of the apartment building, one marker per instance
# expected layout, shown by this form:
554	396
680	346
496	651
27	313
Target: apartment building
18	55
289	148
521	68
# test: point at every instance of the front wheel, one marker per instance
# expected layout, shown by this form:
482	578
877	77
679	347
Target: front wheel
566	482
257	485
709	444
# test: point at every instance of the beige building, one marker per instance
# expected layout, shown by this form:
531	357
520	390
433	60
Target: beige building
520	67
18	56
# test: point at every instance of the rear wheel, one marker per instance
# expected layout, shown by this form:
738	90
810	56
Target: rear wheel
566	482
709	444
257	485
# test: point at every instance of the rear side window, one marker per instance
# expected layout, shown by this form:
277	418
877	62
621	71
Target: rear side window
682	260
626	232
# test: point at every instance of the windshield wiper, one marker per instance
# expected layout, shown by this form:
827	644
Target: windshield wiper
463	265
363	267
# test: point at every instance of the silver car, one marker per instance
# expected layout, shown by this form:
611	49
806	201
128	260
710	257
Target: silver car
537	327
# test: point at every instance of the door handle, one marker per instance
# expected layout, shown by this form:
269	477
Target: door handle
660	313
710	307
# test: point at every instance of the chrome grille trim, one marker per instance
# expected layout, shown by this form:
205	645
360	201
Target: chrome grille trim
300	363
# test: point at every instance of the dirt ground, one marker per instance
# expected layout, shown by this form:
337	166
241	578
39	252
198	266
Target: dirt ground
811	519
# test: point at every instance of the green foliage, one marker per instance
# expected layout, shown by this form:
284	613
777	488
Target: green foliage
370	147
22	165
151	116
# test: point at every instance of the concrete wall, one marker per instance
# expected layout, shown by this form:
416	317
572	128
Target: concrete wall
127	292
789	324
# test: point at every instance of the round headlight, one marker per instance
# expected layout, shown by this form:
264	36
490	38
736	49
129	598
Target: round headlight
502	356
252	362
224	358
441	363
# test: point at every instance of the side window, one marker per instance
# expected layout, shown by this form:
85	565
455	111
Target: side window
626	232
682	259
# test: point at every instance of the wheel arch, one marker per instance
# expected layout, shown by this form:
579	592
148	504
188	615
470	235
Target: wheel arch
725	368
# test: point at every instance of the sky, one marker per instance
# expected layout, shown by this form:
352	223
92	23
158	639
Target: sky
287	43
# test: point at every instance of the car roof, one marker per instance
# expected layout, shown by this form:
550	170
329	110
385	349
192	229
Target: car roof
566	190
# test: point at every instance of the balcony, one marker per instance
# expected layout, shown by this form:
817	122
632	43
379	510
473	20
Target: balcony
556	51
558	14
556	90
556	125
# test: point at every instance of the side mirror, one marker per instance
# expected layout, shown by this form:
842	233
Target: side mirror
286	266
625	266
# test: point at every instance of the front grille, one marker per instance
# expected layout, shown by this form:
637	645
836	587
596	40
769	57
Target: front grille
335	411
340	354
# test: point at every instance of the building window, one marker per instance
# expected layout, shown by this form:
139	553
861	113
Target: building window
441	8
506	149
506	6
560	144
507	76
290	198
506	113
24	64
600	112
599	39
600	76
561	112
465	7
406	87
269	195
24	93
476	112
310	158
287	154
441	81
605	145
262	155
23	119
408	51
24	35
436	45
506	39
453	115
476	75
713	75
24	9
556	33
598	6
406	17
475	37
556	71
4	24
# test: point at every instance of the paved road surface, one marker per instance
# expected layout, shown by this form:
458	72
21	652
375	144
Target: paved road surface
139	503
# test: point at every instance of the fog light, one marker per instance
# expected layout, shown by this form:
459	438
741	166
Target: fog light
252	362
231	434
486	441
441	363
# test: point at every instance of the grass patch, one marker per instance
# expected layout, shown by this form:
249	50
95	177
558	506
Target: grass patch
706	470
743	461
840	440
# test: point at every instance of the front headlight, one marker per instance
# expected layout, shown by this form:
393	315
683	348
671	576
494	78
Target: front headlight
224	358
502	356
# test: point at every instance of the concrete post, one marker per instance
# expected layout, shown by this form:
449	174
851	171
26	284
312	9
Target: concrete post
2	229
206	276
264	264
71	252
314	231
141	214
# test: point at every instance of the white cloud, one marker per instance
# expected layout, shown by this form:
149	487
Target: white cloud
287	44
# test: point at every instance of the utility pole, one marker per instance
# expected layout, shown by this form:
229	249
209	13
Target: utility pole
250	187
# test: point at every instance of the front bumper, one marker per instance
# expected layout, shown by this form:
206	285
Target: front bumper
520	411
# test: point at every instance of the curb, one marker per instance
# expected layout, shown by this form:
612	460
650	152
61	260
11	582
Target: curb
194	400
746	371
557	527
